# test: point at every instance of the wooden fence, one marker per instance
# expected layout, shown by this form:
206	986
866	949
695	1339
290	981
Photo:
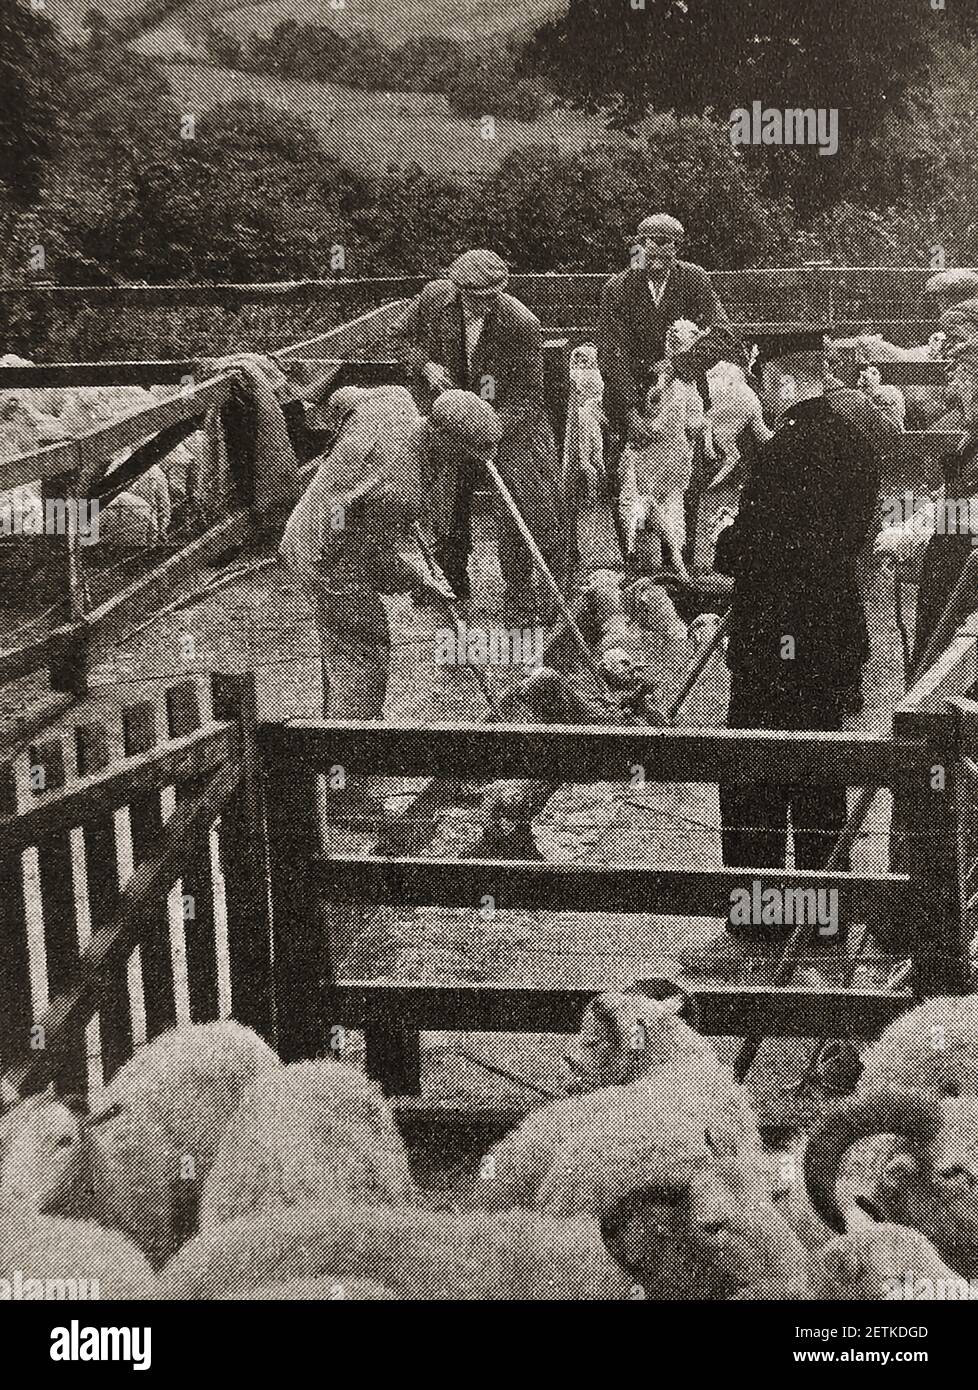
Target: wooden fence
173	865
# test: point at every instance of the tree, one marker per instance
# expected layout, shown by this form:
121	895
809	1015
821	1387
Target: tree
693	56
223	48
31	83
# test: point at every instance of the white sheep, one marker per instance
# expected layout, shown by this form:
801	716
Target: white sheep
414	1252
46	1257
884	1261
673	1167
44	1158
313	1131
624	1035
932	1047
154	1129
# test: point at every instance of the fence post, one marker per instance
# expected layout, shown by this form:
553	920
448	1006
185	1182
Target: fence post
927	844
301	950
244	864
393	1055
556	386
16	1014
69	667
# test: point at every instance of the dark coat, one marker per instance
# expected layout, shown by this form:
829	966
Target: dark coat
509	354
806	511
632	329
509	351
946	554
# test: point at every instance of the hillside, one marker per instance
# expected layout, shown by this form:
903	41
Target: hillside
375	131
466	20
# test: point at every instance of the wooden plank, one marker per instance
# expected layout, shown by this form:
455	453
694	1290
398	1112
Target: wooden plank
115	942
579	754
99	793
97	446
244	863
366	331
157	372
721	1010
16	1014
927	820
183	717
51	461
518	883
140	737
104	889
55	877
302	961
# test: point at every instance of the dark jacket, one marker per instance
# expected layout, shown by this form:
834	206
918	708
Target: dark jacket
945	555
509	350
806	511
632	329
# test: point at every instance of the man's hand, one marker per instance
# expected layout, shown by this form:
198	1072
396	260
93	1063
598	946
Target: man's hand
436	376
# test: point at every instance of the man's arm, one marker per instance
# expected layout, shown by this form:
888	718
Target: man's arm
412	341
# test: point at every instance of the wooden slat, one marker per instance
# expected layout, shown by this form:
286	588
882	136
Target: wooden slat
115	942
244	863
15	971
180	760
158	372
721	1010
516	883
301	948
102	873
183	717
97	446
51	461
140	737
55	876
366	331
585	753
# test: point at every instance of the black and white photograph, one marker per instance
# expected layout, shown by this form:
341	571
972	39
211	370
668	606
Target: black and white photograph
489	667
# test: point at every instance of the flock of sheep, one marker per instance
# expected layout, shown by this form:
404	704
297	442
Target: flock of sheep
208	1169
140	515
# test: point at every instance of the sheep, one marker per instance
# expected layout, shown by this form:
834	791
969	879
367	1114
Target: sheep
623	1036
883	1261
46	1257
312	1131
43	1152
920	1167
416	1253
153	1131
932	1047
734	408
583	438
673	1168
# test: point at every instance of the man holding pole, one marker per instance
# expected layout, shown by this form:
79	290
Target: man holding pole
464	330
351	547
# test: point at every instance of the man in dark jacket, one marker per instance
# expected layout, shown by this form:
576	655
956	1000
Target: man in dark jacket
465	331
637	307
797	635
949	548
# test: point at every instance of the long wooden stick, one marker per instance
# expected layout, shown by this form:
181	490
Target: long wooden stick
553	588
698	667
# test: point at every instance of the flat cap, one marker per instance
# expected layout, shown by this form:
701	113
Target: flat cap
478	270
659	224
468	419
953	284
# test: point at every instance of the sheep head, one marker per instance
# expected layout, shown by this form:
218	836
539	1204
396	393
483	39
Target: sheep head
44	1153
883	1261
711	1233
927	1178
623	1035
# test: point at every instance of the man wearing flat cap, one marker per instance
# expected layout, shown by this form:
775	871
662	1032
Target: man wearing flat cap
465	331
637	307
352	540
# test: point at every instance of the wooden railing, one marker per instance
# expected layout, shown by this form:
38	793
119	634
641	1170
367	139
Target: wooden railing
134	890
313	890
183	831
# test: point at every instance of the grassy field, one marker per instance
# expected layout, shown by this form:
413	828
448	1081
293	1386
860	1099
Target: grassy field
376	132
